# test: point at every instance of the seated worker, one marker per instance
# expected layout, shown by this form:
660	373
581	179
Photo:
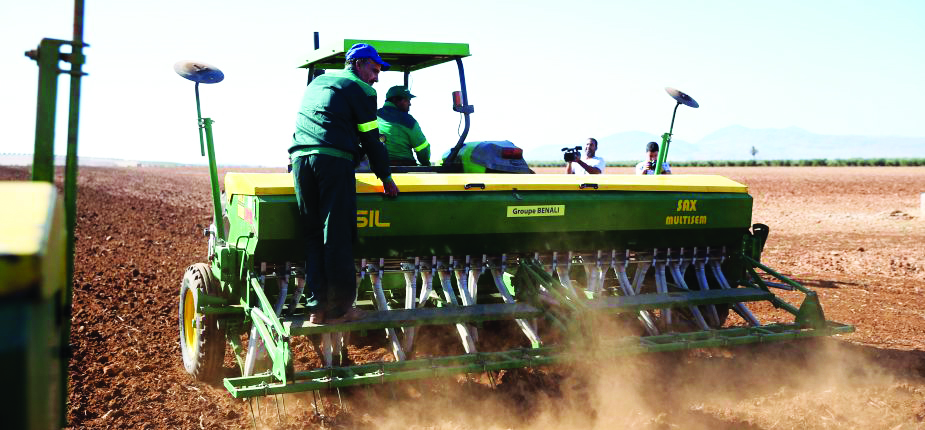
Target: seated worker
589	165
648	167
400	132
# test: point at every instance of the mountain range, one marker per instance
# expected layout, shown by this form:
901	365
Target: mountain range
735	143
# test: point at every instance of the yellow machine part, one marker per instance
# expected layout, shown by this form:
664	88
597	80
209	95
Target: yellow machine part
32	239
271	184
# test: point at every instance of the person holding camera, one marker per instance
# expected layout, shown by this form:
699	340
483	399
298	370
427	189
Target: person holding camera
587	165
648	167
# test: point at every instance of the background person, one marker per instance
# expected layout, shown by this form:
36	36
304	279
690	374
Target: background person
589	164
648	167
400	132
335	125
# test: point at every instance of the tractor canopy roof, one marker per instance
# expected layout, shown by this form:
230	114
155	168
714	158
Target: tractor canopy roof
402	56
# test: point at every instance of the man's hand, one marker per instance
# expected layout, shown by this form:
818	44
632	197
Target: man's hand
587	167
389	187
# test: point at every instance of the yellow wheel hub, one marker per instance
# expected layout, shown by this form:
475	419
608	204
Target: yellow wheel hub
189	313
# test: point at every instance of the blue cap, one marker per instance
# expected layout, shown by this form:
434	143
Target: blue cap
363	50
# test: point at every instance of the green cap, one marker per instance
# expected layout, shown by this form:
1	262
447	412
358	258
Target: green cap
399	91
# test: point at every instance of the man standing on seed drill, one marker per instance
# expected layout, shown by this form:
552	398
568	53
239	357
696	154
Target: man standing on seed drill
335	126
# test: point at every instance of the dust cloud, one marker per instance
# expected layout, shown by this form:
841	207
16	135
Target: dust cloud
809	384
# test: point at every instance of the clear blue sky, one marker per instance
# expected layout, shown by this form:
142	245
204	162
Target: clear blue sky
542	72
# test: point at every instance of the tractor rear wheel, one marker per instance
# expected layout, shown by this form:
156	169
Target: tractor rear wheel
202	341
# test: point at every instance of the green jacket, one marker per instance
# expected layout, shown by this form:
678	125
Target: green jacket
338	118
402	136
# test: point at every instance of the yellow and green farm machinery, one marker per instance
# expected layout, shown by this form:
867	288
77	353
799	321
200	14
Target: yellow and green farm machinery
37	252
675	255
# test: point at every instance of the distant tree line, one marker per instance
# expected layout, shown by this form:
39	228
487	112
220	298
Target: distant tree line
837	162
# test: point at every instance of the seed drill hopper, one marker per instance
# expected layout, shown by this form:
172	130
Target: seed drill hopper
675	255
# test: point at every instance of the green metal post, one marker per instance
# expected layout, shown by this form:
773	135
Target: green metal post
213	174
70	192
666	140
202	147
43	160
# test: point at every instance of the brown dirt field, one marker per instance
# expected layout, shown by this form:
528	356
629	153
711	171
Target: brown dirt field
855	234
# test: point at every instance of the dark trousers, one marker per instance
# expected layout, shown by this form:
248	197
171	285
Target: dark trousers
325	190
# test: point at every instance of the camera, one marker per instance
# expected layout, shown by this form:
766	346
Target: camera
571	154
650	166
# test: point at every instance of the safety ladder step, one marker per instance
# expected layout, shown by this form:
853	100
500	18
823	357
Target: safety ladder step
417	317
678	299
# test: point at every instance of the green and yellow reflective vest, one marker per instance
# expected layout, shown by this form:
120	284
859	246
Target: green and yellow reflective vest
402	136
338	118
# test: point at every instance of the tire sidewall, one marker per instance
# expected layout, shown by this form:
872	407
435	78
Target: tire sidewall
190	353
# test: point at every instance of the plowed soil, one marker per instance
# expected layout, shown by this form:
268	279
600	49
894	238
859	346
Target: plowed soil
856	235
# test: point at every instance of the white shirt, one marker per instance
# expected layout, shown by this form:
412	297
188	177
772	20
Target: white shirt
642	170
591	162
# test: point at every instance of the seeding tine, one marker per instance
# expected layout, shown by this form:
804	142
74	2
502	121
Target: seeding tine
411	282
279	417
740	308
297	295
683	264
599	282
375	277
552	266
498	276
563	273
475	269
427	275
446	284
686	262
474	278
661	286
255	346
315	409
679	280
594	274
472	283
254	349
535	321
337	348
327	350
575	288
613	266
462	278
640	276
589	276
253	417
283	290
702	282
462	281
447	281
644	317
623	280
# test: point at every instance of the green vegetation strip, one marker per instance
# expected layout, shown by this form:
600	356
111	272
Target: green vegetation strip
364	374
